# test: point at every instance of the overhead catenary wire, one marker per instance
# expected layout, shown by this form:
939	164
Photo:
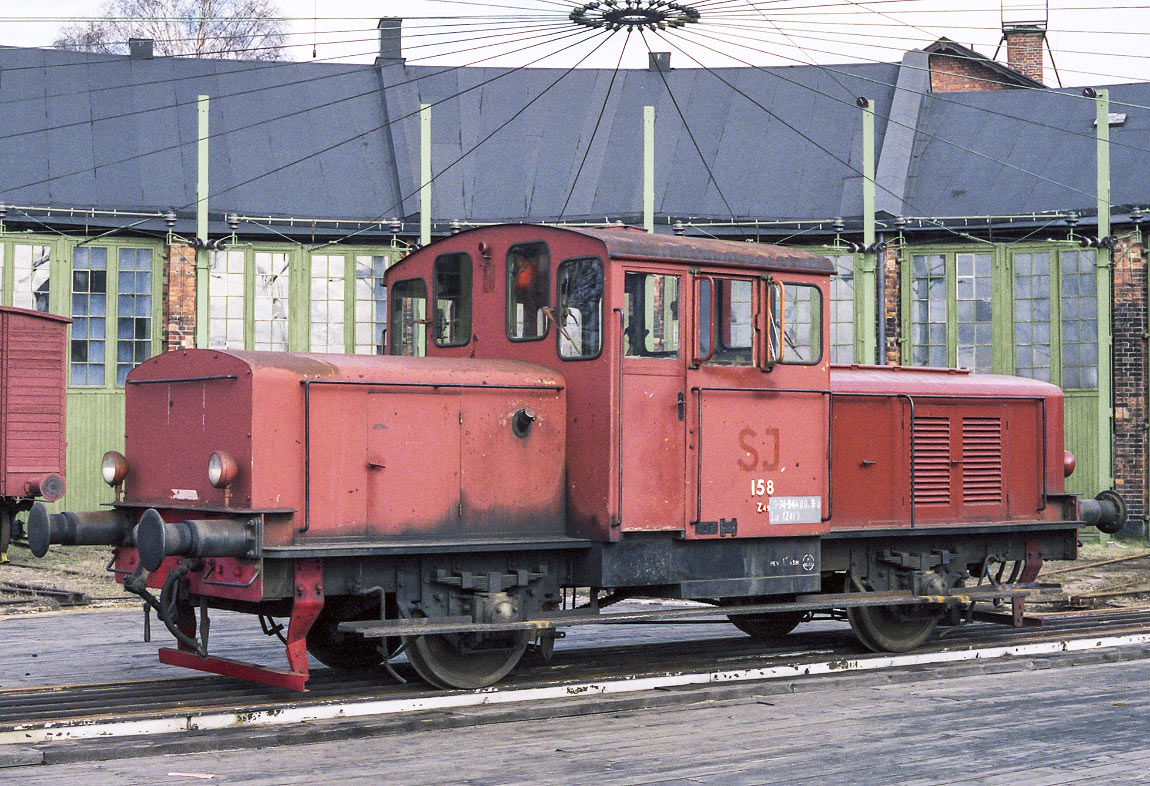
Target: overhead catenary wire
687	128
263	89
372	92
823	148
595	130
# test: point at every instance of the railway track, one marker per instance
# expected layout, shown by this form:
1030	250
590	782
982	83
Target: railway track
199	704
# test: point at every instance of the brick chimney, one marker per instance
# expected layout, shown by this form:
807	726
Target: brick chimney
1024	44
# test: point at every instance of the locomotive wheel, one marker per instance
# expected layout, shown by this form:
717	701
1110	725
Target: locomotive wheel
767	627
440	662
887	629
345	651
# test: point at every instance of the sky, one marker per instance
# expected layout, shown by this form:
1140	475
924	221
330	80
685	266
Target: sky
1093	42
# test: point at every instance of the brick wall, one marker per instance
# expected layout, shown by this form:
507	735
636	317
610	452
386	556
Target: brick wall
179	310
1024	51
892	308
1130	377
949	74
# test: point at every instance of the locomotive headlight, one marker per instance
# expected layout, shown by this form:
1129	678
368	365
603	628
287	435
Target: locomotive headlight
221	469
113	468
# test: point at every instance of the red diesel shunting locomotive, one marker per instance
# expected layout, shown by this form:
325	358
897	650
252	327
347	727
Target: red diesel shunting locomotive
631	413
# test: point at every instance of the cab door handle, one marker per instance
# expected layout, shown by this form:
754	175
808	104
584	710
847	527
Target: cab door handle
681	406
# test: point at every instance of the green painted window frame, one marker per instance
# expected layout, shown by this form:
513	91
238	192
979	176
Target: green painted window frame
300	288
1002	300
351	255
60	289
836	253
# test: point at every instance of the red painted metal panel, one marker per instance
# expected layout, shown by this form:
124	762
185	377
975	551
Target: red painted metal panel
976	448
33	363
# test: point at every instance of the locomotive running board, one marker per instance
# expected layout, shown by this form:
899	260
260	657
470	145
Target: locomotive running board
424	626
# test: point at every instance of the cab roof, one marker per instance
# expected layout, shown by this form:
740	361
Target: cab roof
632	243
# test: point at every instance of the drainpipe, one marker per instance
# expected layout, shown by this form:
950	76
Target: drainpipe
868	318
1103	278
649	168
424	174
203	260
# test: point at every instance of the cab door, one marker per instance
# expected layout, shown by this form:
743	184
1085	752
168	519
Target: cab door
652	400
758	429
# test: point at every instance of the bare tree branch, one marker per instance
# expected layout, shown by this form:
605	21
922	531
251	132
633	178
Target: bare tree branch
248	29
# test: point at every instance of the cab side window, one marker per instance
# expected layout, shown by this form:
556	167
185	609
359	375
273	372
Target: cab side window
802	328
408	323
651	316
725	315
452	281
528	291
580	319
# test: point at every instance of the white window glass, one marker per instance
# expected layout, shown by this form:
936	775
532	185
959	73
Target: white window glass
843	310
802	325
272	288
928	310
1079	320
327	299
133	310
89	314
31	280
1032	316
370	304
226	300
974	284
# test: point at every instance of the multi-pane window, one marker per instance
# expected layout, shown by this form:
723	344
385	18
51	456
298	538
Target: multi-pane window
1032	315
528	291
370	304
408	324
651	316
133	310
580	283
327	299
974	287
802	325
89	314
928	310
272	290
451	278
226	300
843	310
1079	306
31	267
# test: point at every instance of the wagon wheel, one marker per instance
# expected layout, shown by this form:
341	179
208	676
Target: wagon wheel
449	661
346	651
892	628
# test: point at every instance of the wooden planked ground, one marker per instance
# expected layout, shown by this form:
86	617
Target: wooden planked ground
1081	725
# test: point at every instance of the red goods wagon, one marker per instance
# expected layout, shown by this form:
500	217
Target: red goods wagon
33	361
604	409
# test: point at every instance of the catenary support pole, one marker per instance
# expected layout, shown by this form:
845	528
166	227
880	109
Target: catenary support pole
424	174
1103	288
649	168
868	317
203	258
